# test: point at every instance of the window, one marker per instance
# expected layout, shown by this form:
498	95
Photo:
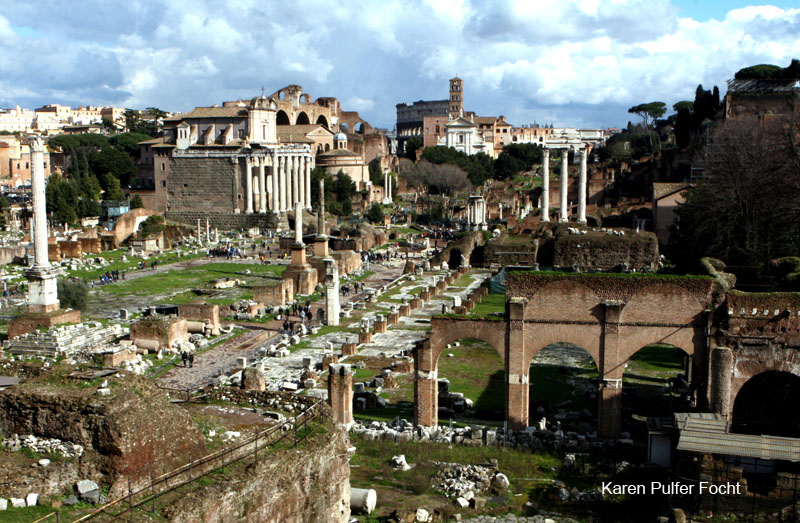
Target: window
163	166
460	138
163	183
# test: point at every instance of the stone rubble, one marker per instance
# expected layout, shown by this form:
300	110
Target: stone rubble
43	445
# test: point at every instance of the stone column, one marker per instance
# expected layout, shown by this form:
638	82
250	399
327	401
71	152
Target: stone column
276	190
582	188
298	223
609	397
721	372
564	214
283	180
546	185
208	231
517	368
307	164
426	400
389	180
262	184
295	180
42	293
248	184
198	231
340	393
41	259
332	310
301	175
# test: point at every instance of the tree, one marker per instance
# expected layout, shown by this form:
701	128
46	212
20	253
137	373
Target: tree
136	202
375	214
73	295
506	166
110	160
412	144
152	226
375	173
747	210
444	179
128	142
649	112
683	128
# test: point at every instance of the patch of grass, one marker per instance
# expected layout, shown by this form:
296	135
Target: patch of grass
177	280
490	305
659	358
475	370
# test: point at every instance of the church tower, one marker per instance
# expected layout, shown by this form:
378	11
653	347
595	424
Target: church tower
456	97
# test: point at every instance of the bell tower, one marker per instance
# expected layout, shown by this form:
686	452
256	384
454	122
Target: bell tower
456	97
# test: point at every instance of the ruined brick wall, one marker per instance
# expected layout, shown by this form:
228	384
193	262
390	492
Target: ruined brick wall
774	315
203	184
201	312
224	221
90	245
598	250
124	434
28	322
275	294
70	249
308	484
167	331
11	255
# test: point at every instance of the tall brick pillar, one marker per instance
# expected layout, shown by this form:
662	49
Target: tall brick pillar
426	386
609	398
340	393
721	372
517	368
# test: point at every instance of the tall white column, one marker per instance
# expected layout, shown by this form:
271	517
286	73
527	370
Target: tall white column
563	214
248	184
276	191
307	165
40	256
283	184
295	196
582	188
298	223
262	184
389	180
546	185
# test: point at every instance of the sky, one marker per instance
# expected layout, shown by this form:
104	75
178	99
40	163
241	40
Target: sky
579	63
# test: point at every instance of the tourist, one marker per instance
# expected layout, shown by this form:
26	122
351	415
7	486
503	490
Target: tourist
184	357
191	359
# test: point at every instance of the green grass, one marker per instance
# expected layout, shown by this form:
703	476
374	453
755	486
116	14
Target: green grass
476	370
659	358
176	280
116	263
490	305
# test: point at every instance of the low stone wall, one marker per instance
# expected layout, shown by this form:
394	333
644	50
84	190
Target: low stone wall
12	255
224	221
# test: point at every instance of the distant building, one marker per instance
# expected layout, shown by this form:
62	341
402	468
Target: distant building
427	119
15	163
762	98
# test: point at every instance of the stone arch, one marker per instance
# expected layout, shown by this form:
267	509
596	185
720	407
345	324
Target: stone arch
327	147
305	98
587	337
321	120
343	127
359	128
454	261
763	405
655	396
566	362
302	119
282	118
750	362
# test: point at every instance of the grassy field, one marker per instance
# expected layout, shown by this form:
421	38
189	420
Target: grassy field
175	280
476	370
116	263
490	305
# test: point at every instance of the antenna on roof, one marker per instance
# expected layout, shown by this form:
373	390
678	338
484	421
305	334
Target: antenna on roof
262	90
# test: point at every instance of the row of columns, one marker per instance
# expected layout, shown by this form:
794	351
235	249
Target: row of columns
288	183
387	187
563	211
476	212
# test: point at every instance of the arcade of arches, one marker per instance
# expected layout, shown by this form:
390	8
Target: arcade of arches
611	316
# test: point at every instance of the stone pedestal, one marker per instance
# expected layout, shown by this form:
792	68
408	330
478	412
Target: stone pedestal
380	325
405	309
425	295
416	303
393	318
328	360
332	308
348	349
365	336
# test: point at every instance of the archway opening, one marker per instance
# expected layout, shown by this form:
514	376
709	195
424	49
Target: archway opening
477	256
302	119
282	118
321	120
359	128
764	405
563	387
472	383
454	261
655	384
343	127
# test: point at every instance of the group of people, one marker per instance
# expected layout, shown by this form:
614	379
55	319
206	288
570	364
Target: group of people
226	252
187	357
357	287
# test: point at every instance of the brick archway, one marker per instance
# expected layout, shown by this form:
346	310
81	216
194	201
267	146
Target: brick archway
591	311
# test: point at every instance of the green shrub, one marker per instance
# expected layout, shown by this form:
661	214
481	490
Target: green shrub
73	295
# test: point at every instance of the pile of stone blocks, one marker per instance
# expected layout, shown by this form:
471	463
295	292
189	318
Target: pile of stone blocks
65	339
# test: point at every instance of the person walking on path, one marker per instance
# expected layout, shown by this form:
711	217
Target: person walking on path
191	359
184	357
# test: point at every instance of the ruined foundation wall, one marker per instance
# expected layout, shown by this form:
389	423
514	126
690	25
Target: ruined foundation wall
309	484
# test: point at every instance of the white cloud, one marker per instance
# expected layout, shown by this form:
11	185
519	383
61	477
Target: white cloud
580	62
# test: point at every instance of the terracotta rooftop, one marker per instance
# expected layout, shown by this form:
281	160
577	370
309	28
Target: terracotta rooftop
211	112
